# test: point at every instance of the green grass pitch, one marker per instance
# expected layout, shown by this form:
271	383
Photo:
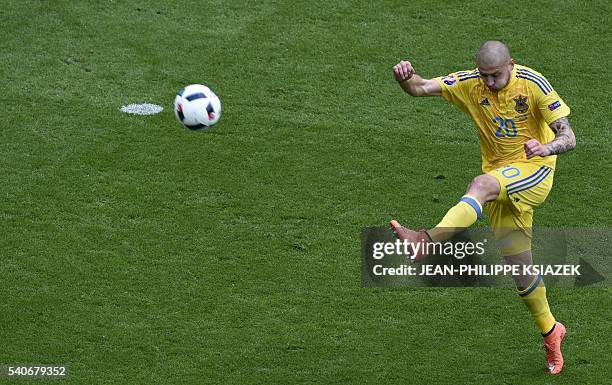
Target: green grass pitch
138	252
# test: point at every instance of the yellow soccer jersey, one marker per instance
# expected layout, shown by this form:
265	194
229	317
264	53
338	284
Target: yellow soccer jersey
508	118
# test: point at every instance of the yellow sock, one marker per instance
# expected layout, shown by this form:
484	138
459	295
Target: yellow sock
534	297
459	217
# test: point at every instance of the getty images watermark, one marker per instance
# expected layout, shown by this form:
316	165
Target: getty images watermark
458	250
474	258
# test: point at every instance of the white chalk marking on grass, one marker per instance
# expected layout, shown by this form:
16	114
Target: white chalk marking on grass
142	109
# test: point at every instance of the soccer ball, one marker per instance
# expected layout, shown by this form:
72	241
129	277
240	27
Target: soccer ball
197	107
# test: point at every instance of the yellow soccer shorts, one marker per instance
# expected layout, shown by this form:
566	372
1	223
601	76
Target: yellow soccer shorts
524	185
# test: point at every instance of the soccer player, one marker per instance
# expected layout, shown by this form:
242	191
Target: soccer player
522	125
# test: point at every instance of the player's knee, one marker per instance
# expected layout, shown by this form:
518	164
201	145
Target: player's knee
484	187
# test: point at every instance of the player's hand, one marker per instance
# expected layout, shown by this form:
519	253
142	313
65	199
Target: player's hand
535	148
403	71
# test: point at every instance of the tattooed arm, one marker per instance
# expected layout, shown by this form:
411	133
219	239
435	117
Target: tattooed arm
564	141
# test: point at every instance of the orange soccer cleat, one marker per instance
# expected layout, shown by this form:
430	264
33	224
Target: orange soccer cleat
552	345
413	237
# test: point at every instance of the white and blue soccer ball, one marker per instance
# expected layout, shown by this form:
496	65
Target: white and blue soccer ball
197	107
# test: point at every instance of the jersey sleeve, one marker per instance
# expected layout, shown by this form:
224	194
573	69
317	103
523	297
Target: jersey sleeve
550	104
455	87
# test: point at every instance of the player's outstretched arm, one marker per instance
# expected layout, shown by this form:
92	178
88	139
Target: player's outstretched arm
564	141
412	83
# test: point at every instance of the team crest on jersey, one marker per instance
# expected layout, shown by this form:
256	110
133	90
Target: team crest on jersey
449	80
521	104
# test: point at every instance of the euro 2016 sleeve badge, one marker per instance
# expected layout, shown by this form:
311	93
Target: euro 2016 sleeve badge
449	80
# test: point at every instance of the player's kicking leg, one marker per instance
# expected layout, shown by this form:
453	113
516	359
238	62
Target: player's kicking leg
523	186
482	189
413	237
